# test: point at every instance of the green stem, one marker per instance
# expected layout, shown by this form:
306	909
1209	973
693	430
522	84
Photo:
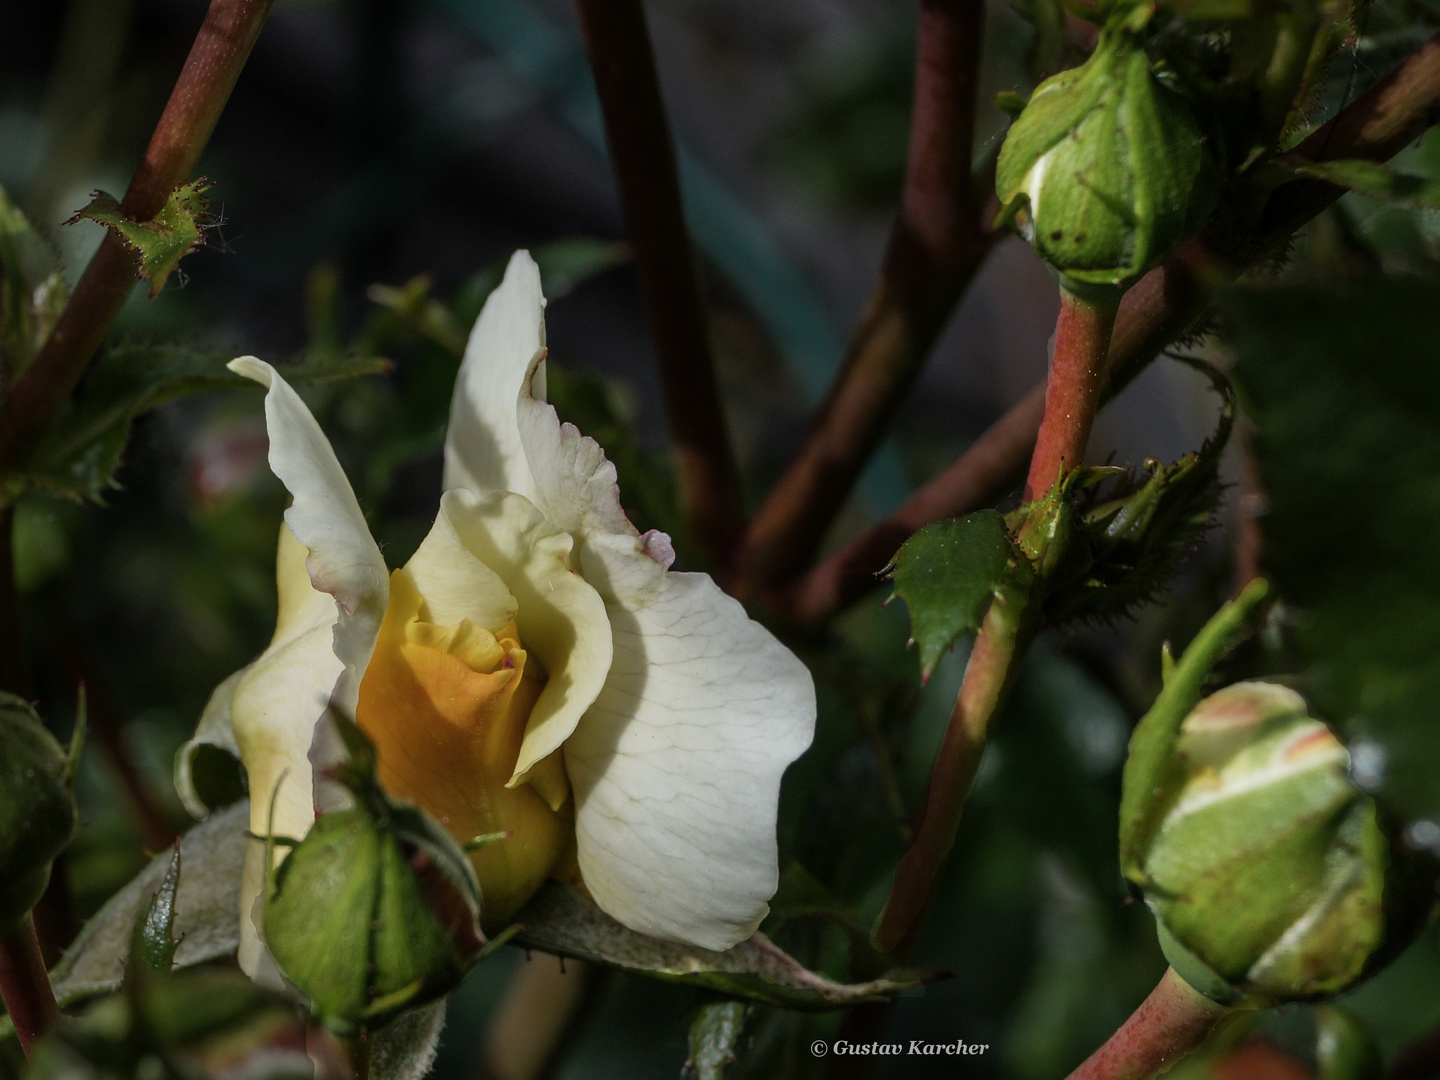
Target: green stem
1072	392
1004	635
1173	1022
24	985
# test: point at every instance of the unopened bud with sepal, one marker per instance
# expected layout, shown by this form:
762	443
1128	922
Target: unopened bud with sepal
376	910
1107	170
37	807
1267	868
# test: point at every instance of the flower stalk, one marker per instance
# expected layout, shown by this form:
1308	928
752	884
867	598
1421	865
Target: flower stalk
1072	392
25	986
999	646
1173	1022
220	50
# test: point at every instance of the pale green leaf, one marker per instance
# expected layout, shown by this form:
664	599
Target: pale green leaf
160	243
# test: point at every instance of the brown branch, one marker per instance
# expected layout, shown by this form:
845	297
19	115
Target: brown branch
220	50
24	985
936	245
1174	1021
1164	306
638	134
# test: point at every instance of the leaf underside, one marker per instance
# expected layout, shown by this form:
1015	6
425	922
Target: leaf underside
561	920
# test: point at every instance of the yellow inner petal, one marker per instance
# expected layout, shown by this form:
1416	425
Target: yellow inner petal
446	707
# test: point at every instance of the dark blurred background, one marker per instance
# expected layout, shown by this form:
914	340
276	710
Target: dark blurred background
371	141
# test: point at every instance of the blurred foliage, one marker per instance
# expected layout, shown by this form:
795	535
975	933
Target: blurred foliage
1343	390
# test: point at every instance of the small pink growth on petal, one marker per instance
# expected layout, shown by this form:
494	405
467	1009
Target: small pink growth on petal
658	546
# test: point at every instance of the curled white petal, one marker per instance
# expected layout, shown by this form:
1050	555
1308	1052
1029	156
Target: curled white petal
343	559
676	767
482	445
561	619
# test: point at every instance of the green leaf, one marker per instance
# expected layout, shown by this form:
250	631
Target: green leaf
79	453
1345	394
34	290
160	243
561	920
206	910
947	573
1373	179
153	945
715	1037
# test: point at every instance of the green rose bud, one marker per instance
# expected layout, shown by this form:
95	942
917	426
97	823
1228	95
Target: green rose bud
1107	170
37	807
377	910
1264	864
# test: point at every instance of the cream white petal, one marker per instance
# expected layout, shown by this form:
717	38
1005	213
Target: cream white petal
271	711
343	559
676	767
482	445
575	484
562	620
455	584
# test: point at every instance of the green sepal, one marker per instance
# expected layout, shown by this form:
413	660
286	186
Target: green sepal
153	942
1151	767
159	244
948	573
1344	1050
37	807
1368	178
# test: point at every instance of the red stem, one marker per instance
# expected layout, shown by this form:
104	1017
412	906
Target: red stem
988	675
220	50
1072	392
1174	1021
937	243
25	986
638	134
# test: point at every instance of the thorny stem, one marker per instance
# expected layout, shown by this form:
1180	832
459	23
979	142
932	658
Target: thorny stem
638	134
1002	640
936	245
1072	392
220	50
1174	1021
1167	303
25	986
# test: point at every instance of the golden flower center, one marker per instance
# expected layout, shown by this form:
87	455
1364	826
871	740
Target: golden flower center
446	707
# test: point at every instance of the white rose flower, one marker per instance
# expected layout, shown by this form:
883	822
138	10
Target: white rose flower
535	668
